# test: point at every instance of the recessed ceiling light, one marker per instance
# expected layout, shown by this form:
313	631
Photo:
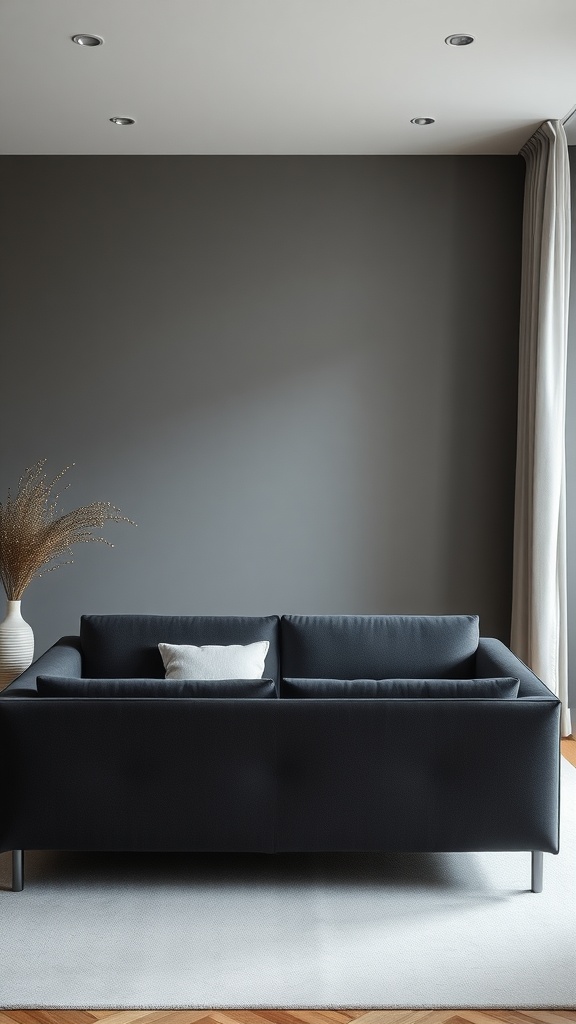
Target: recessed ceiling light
460	39
85	40
422	120
123	120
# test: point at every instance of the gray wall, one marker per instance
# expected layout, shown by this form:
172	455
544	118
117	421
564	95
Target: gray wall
297	374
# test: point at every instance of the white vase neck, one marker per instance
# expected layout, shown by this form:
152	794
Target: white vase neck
13	611
14	615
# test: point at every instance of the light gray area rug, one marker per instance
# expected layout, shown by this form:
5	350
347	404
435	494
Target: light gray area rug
392	931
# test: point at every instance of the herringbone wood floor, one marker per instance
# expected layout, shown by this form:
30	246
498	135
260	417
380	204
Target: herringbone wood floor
569	749
298	1016
288	1016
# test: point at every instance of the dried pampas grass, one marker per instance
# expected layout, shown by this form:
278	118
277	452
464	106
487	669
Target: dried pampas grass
32	534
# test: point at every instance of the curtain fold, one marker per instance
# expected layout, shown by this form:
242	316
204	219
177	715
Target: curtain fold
539	591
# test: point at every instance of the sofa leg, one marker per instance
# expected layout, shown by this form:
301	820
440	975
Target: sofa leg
537	870
17	870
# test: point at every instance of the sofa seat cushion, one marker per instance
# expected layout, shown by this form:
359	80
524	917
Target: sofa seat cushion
494	689
62	686
379	646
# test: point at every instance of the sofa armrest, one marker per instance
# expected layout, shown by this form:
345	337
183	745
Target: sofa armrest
63	659
493	658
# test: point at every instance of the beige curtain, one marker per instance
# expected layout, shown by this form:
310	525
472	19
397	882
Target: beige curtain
539	621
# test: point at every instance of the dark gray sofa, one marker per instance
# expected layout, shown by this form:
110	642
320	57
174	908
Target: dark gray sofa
284	774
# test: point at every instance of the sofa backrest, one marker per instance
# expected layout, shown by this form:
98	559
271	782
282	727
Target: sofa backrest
126	646
379	646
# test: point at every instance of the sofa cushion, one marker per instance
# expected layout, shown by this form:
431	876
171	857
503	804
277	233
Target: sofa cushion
186	661
62	686
126	646
379	646
494	689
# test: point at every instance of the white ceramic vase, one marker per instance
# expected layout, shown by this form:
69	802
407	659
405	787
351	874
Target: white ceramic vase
16	644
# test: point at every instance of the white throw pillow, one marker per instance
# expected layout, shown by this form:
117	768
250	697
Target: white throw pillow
185	661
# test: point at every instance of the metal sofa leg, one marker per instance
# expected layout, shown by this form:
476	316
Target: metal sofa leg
17	870
537	870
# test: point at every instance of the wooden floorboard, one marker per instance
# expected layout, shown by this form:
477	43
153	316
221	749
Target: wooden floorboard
303	1016
569	749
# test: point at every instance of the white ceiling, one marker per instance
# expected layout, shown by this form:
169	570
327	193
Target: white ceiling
283	76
